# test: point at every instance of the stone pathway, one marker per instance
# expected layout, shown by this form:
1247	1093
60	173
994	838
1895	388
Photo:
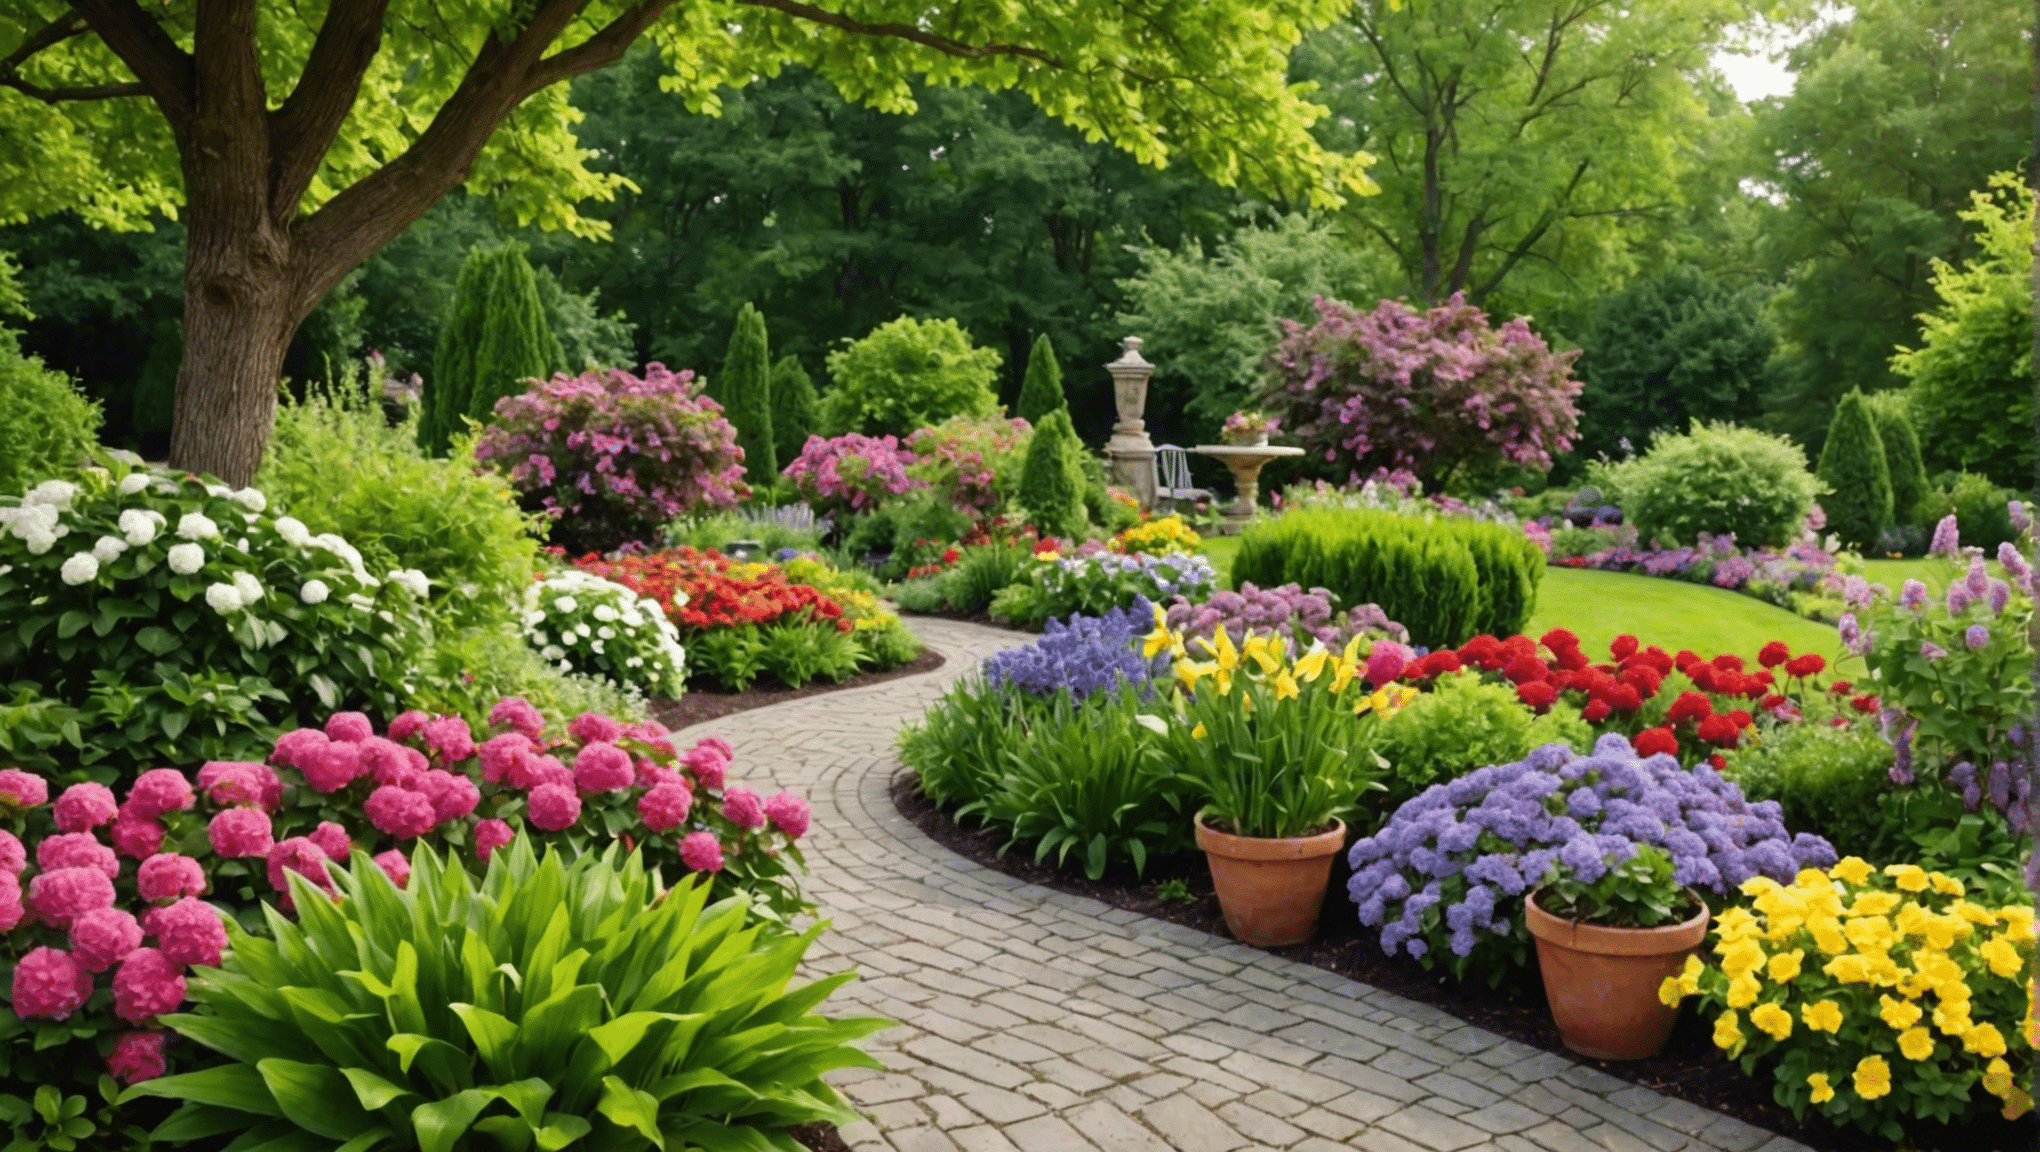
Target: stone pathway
1043	1022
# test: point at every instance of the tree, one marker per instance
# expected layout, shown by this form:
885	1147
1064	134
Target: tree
1901	437
453	359
906	375
1853	467
1041	392
1052	476
745	389
295	141
493	339
794	407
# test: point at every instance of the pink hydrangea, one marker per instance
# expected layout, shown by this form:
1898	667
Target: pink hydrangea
231	783
710	766
654	736
300	855
350	727
169	876
602	767
651	774
453	795
84	807
240	832
744	807
146	986
701	852
409	724
76	850
12	910
103	937
718	745
19	789
157	791
400	812
591	727
296	746
13	856
537	770
50	984
190	931
137	839
63	895
491	835
333	840
392	763
517	714
665	806
137	1056
502	755
789	813
331	766
553	807
396	866
450	739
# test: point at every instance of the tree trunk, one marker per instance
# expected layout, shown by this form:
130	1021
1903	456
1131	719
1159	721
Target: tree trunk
226	387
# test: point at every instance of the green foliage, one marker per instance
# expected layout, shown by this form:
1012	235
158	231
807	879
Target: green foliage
795	408
588	339
493	339
1717	479
792	652
719	530
156	391
451	383
1254	764
1982	516
1973	369
50	428
1856	474
1052	477
744	388
547	1003
1829	779
1042	391
466	671
893	527
1901	438
981	572
1056	589
338	466
1462	724
907	374
958	748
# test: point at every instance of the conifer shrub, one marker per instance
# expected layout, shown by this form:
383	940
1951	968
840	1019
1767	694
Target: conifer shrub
493	340
1052	477
745	390
1041	392
795	407
1858	478
1901	436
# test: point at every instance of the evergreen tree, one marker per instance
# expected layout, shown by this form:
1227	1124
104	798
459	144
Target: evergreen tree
453	359
1902	455
794	408
515	345
1852	465
744	387
1042	391
1052	476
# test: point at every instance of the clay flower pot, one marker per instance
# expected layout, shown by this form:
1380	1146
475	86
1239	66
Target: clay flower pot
1603	982
1270	890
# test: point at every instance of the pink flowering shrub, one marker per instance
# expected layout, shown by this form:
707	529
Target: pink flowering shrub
1428	392
972	462
851	472
612	456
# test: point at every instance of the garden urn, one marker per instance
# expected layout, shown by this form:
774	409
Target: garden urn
1603	982
1270	889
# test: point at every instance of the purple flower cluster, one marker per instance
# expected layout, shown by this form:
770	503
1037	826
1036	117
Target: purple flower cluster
1764	572
1452	867
1083	656
851	472
1287	610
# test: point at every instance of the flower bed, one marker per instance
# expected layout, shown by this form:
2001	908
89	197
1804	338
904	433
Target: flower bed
1798	577
596	627
1095	581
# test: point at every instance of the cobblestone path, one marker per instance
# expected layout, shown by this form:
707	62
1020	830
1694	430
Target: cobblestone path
1043	1022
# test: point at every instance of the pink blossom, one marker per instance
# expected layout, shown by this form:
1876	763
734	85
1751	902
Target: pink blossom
449	738
330	767
789	813
333	840
157	791
553	807
536	770
19	789
665	806
137	1056
710	766
103	937
349	727
12	910
64	894
717	744
84	807
400	812
190	931
294	746
137	839
240	832
168	876
76	850
408	725
701	852
392	763
744	807
501	755
491	835
13	857
517	714
601	767
396	866
300	855
232	782
146	986
1386	662
50	984
590	727
453	795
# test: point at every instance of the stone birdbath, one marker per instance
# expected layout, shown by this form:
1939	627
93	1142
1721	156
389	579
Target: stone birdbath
1245	462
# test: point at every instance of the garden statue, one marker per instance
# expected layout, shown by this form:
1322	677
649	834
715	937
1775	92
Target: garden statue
1131	452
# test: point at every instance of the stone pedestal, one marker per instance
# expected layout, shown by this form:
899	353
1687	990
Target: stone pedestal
1245	462
1131	453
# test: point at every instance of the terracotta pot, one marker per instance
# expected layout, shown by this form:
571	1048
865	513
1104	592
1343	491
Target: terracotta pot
1603	982
1270	889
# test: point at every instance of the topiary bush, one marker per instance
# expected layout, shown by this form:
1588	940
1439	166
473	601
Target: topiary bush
1853	467
494	338
795	408
1895	427
1041	392
50	427
1717	479
905	375
745	390
1052	477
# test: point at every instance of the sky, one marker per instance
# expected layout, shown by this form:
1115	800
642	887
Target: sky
1753	76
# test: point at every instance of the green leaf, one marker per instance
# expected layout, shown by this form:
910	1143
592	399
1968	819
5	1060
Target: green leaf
236	1086
72	622
561	1130
315	1097
442	1122
372	1090
156	640
631	1108
495	1037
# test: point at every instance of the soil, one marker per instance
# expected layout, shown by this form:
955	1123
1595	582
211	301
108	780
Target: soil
1691	1068
700	704
820	1138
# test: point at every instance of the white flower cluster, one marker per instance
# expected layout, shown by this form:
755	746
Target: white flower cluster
595	627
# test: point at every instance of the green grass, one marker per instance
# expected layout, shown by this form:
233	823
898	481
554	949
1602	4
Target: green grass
1932	571
1672	614
1222	549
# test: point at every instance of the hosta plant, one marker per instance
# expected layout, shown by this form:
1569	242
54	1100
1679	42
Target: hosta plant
597	627
550	1004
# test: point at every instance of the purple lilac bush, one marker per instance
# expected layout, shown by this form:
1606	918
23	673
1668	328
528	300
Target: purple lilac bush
1084	655
1286	609
1446	878
851	472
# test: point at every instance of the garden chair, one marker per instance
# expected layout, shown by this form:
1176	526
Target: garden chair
1172	470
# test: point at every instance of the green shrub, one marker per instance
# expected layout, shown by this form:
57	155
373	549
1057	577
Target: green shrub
982	571
958	749
1901	438
791	652
50	427
1041	392
925	594
891	527
795	408
1826	779
494	338
718	530
1858	479
1462	724
466	671
906	375
1717	479
1052	477
1510	569
744	388
544	1004
1979	508
889	645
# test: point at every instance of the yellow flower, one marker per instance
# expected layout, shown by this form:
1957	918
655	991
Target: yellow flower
1670	992
1911	920
1285	686
2017	1104
1827	935
1822	1090
2018	921
1984	1040
1312	664
1997	1078
1869	933
1772	1019
1189	672
1873	1077
1942	931
1851	870
1785	965
1343	671
1728	1035
1265	651
1945	884
1741	958
1198	732
1046	555
1974	913
1350	654
1916	1043
2003	958
1810	878
1223	652
1900	1014
1822	1016
1910	877
1874	904
1743	991
1689	976
1849	969
1952	1017
1757	885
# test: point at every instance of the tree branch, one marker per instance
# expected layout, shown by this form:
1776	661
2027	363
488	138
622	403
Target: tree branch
165	71
303	128
599	51
1551	216
60	95
908	32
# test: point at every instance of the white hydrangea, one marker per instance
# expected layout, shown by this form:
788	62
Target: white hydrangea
565	604
107	548
605	632
552	652
81	568
584	630
314	592
140	525
132	483
29	519
634	662
251	499
293	531
186	558
224	599
218	491
56	494
534	618
248	586
359	601
604	613
197	526
416	582
38	539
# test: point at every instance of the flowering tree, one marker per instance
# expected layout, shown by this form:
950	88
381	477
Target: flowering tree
1435	393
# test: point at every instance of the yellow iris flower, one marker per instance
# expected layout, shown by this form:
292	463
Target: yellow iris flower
1265	651
1285	686
1312	664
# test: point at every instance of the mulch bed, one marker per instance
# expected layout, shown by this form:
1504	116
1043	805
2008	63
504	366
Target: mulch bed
701	704
1691	1067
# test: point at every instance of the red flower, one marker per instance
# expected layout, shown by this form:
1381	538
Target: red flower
1741	719
1625	698
1686	659
1864	703
1524	669
1652	741
1596	710
1772	702
1570	659
1729	662
1841	687
1623	646
1480	650
1811	664
1642	679
1773	654
1718	730
1718	761
1559	640
1689	706
1537	694
1839	722
1703	676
